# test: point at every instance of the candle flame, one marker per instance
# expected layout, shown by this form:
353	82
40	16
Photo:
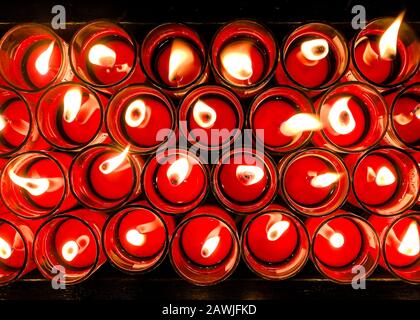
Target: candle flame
70	250
72	104
209	246
277	229
42	63
203	114
337	240
410	244
5	249
340	117
299	123
389	40
3	123
404	119
135	238
249	175
315	50
237	61
384	176
136	114
180	59
35	186
101	55
109	166
178	171
324	180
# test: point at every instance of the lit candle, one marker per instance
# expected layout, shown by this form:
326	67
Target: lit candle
243	56
175	181
244	180
385	52
205	247
211	117
313	181
136	115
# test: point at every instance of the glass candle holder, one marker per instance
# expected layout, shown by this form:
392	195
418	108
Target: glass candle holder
71	244
35	184
33	57
137	115
136	239
353	117
385	53
174	58
16	238
314	182
282	118
17	130
211	117
104	55
405	119
70	116
244	56
175	181
385	180
341	244
314	57
400	239
275	243
205	247
244	180
104	177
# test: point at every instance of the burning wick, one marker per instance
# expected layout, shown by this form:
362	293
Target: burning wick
277	229
315	50
42	63
204	115
384	176
5	249
323	180
389	40
72	248
337	240
237	61
35	187
103	56
210	246
136	114
299	123
110	165
180	59
249	175
135	238
340	117
410	244
178	171
72	104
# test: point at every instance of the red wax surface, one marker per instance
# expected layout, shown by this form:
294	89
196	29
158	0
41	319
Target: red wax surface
45	168
344	119
263	242
16	120
184	182
195	236
364	181
298	177
394	241
157	117
248	48
347	252
269	116
226	118
307	73
107	74
185	56
405	121
114	185
75	230
147	224
14	240
243	185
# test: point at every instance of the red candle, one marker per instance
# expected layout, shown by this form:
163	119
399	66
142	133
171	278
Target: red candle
205	247
211	117
174	58
283	119
137	115
175	181
34	184
243	56
386	180
341	242
98	169
314	56
72	240
313	181
385	52
33	57
103	55
244	180
353	118
69	116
